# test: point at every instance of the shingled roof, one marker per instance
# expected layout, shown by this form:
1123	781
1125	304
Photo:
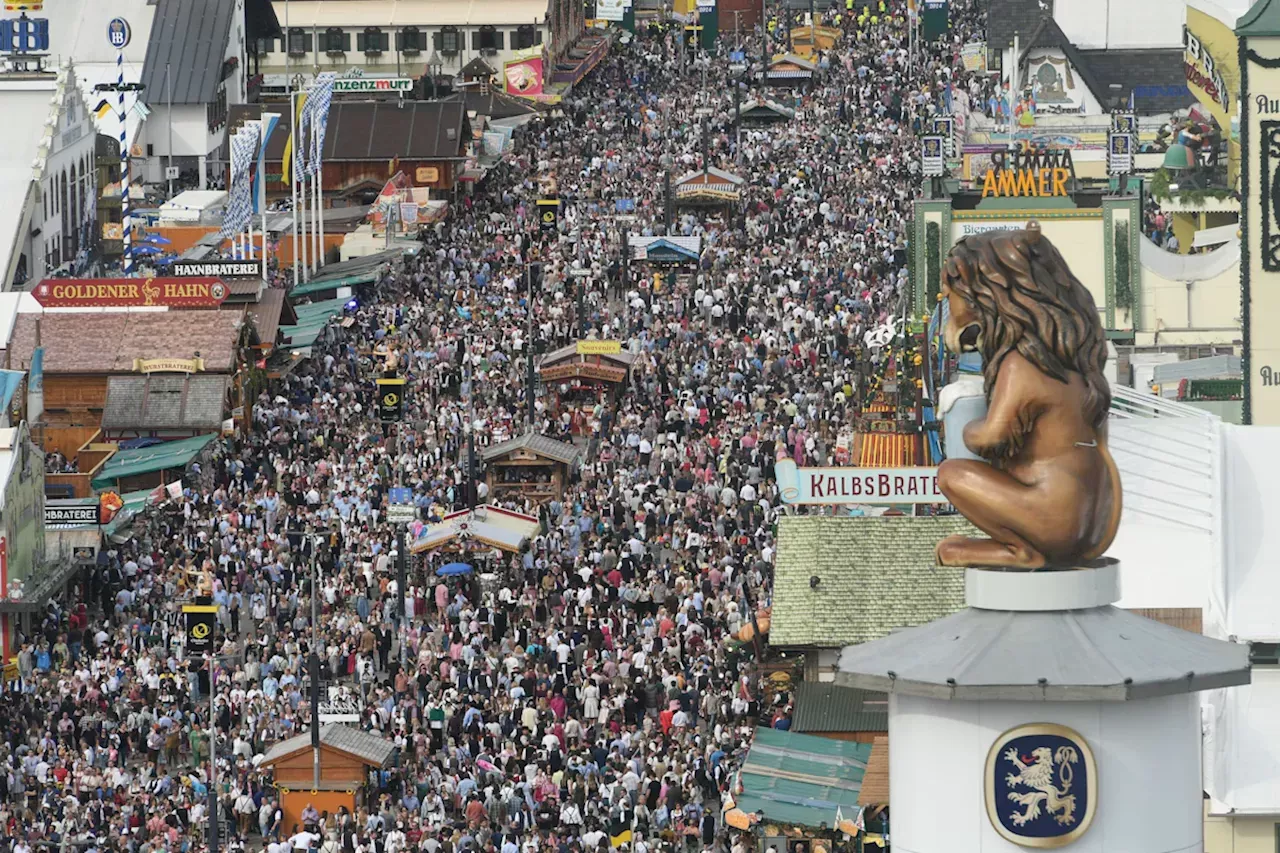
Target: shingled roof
165	401
1157	75
109	343
372	750
874	575
540	444
1006	17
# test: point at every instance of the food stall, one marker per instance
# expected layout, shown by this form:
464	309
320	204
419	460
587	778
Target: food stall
532	466
583	376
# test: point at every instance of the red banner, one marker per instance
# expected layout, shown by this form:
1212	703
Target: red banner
130	292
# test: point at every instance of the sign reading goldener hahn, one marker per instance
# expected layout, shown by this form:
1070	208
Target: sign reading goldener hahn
871	486
130	292
218	269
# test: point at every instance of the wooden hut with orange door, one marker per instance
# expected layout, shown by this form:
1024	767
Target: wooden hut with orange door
349	762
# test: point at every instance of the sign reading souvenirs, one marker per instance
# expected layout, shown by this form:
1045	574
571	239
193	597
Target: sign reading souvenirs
1029	173
599	347
218	269
130	292
198	620
1041	785
373	84
828	486
78	514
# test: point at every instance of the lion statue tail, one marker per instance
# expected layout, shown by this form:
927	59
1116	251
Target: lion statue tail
1111	523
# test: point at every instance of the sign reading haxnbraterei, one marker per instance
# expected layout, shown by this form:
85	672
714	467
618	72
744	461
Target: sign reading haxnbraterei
218	269
84	513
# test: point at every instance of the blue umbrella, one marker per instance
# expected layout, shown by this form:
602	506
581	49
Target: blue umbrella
158	238
452	569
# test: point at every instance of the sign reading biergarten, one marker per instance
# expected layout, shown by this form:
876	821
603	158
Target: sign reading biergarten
130	292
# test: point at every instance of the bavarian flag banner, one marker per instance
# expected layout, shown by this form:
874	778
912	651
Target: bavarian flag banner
296	127
619	833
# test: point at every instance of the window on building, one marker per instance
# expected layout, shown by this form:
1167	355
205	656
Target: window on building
299	42
1264	654
336	40
524	37
264	46
450	39
372	40
411	40
487	38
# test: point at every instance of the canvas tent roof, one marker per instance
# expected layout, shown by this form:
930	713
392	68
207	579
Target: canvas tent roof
170	456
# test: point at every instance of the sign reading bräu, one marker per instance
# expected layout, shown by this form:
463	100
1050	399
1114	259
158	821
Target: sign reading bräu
873	486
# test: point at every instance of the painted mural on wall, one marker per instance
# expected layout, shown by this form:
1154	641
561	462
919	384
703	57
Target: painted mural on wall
1054	86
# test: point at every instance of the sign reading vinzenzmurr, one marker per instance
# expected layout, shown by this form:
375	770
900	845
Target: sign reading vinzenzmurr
1260	210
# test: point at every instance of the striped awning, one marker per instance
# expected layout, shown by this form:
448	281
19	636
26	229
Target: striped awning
887	450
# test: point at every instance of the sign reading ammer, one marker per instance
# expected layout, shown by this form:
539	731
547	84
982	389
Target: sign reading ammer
218	269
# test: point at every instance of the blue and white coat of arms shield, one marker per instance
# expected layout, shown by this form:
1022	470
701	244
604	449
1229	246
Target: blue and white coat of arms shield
1041	785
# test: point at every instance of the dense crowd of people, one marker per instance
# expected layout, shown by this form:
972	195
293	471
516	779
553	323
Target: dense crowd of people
597	688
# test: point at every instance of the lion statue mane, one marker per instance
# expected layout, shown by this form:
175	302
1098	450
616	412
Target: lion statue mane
1051	493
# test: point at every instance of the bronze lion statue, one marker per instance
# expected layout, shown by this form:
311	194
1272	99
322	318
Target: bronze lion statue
1051	495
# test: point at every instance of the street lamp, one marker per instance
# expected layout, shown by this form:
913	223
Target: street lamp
434	67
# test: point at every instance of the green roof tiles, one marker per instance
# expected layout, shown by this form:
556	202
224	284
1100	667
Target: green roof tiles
874	575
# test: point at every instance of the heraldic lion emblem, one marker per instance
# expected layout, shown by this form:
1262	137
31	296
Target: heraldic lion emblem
1039	775
1041	785
1050	494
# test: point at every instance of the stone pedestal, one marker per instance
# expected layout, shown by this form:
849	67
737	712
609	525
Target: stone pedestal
1044	717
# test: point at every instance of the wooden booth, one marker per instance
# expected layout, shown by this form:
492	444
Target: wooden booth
709	187
349	760
531	466
790	70
764	112
583	375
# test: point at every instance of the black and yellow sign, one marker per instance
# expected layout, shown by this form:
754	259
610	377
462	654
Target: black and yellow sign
391	399
548	213
200	620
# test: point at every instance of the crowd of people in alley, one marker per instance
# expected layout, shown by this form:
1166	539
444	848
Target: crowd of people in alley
595	696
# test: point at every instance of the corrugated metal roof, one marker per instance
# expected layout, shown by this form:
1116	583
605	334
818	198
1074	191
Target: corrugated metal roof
1097	654
362	131
189	38
827	707
542	445
371	749
799	779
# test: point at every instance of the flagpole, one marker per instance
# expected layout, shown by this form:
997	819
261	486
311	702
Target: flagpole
319	202
126	223
293	178
316	255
